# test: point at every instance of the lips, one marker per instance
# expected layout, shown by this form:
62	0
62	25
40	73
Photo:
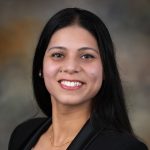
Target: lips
70	84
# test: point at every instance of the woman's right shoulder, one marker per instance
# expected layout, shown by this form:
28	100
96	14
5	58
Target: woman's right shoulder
28	126
25	130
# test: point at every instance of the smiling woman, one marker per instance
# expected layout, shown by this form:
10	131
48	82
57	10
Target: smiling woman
72	67
77	85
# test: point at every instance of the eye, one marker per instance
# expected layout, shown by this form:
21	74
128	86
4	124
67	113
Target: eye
57	55
87	56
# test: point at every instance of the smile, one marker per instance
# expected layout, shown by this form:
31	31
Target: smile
70	84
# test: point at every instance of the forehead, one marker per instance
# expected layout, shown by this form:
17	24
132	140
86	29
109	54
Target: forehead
73	34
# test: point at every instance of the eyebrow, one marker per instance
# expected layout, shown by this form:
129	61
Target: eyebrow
80	49
88	48
57	47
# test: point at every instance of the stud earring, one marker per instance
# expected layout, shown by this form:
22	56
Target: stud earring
40	74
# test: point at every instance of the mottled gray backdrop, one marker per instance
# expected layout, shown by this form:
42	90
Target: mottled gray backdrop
21	22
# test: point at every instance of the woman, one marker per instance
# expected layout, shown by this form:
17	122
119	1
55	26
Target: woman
77	86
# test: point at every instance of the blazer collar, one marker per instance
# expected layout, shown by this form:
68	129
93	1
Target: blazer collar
85	136
37	134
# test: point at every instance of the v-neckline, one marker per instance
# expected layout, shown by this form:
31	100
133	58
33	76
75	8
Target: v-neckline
80	142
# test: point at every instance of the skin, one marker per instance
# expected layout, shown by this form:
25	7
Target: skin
72	55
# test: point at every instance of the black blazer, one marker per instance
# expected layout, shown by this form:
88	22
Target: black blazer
27	134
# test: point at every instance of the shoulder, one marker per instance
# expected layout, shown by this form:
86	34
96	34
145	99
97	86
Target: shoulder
116	141
24	131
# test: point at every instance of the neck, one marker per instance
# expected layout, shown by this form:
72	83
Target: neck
67	122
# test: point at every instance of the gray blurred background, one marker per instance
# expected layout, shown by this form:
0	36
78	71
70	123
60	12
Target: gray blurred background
21	22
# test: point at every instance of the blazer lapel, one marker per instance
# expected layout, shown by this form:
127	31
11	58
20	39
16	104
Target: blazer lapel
37	134
84	137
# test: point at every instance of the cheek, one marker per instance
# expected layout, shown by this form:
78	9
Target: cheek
96	77
49	74
49	69
96	73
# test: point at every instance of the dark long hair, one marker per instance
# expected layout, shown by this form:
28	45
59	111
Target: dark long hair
109	108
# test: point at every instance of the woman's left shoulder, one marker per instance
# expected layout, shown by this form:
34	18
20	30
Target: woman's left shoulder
117	140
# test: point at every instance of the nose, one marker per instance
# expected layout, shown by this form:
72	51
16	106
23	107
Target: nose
70	66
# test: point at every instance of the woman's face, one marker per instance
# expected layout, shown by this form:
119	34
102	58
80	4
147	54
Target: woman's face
72	67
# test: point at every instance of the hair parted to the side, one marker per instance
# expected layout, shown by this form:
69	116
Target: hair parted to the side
109	108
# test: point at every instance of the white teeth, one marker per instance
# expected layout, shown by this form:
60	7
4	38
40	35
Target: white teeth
71	84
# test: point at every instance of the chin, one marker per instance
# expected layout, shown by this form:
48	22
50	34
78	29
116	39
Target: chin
73	102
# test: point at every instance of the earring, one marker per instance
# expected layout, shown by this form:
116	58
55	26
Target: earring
40	74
